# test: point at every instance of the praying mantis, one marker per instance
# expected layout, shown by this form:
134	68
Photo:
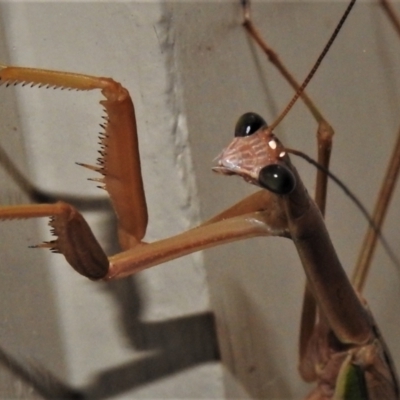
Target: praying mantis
250	300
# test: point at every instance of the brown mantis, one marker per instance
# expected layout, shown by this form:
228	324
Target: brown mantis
256	364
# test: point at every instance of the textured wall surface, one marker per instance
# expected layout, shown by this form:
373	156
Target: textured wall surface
147	336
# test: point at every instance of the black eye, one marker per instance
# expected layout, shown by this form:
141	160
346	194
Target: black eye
248	124
277	179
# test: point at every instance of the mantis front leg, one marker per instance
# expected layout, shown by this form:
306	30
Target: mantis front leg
120	167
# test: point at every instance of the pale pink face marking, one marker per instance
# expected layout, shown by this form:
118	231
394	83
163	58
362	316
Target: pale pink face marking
246	156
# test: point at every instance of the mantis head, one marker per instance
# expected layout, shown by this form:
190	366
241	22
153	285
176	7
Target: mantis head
258	156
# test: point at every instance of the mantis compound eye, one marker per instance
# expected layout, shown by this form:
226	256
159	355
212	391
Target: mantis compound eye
277	179
248	124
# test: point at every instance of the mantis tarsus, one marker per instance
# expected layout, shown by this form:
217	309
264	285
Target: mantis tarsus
206	52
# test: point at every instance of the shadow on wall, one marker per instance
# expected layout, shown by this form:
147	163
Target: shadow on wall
175	345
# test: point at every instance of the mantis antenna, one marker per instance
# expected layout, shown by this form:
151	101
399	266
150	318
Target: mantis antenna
314	69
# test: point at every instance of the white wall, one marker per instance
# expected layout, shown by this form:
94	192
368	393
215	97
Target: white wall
146	336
